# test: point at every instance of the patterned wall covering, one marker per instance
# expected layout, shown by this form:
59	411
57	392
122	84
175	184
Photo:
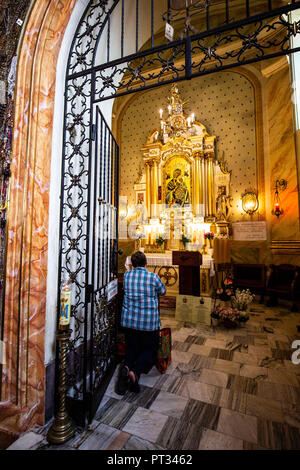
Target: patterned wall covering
223	102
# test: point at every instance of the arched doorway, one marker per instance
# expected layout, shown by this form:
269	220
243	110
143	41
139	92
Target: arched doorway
103	76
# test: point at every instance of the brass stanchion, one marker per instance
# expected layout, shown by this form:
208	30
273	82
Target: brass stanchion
62	428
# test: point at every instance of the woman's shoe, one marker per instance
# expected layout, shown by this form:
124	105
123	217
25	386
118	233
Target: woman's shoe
134	382
123	381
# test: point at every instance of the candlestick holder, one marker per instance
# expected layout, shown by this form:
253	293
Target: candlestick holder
63	427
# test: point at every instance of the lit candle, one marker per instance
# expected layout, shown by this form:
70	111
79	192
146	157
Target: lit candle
193	117
189	122
170	108
160	113
65	305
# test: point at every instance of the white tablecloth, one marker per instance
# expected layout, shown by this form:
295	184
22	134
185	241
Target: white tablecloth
165	259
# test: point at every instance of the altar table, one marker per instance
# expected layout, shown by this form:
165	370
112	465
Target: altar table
161	264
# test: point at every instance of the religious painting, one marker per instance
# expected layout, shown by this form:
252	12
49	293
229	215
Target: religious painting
177	182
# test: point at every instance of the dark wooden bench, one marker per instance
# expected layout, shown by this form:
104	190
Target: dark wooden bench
250	276
284	282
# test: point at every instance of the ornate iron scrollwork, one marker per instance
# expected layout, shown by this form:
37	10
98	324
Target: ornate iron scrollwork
88	82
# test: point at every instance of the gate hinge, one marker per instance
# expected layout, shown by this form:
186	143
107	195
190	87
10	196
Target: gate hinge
88	293
93	131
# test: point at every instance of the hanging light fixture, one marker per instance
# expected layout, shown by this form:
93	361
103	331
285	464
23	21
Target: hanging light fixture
279	186
249	202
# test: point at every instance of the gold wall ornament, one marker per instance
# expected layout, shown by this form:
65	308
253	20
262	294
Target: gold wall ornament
223	206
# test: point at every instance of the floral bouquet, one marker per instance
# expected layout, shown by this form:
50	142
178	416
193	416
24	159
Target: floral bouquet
209	236
226	290
185	240
228	315
241	299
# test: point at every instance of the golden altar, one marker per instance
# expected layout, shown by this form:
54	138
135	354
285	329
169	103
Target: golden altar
182	193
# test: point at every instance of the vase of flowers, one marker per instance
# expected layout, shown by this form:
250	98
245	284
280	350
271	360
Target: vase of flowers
227	315
185	240
240	300
225	292
160	241
209	236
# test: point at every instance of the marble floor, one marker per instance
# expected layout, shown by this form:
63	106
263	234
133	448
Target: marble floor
226	389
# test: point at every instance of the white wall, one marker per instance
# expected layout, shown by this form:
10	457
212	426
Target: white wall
55	181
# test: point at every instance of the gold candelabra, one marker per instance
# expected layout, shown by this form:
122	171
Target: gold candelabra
63	427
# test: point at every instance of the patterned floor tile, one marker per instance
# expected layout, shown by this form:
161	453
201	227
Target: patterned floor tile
193	437
212	440
229	367
100	438
169	404
264	408
245	358
145	398
146	424
236	401
278	436
214	377
283	376
119	441
242	384
136	443
221	354
198	362
199	349
238	425
173	434
213	395
116	413
204	414
254	372
280	392
180	346
291	413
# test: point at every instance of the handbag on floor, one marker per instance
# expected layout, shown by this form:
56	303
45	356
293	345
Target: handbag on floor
164	350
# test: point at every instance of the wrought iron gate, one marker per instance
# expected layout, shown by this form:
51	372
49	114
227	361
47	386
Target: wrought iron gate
89	251
100	67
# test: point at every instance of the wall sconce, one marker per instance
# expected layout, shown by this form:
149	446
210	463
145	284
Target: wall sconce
249	202
279	186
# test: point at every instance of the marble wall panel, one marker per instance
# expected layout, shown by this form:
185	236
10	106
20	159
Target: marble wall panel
25	302
282	154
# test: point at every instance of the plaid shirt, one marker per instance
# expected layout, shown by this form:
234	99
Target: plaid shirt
140	306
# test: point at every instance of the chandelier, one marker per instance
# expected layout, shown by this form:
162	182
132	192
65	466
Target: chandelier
177	123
